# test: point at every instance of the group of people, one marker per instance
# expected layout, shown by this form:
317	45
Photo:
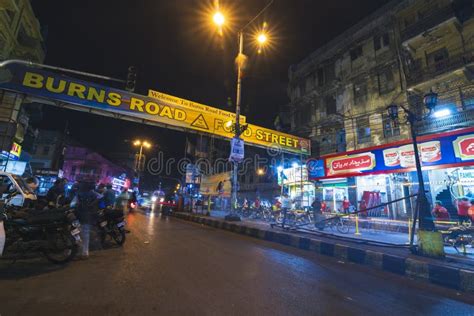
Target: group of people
465	210
87	198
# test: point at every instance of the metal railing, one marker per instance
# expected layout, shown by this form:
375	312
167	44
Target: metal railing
418	73
424	24
462	119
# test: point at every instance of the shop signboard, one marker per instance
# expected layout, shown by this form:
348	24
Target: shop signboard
216	185
437	151
16	150
175	113
8	156
315	168
236	150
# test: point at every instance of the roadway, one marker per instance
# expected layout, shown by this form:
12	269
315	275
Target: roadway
172	267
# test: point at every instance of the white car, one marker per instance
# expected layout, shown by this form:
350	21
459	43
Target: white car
11	183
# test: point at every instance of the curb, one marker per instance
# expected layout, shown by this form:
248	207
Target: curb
450	277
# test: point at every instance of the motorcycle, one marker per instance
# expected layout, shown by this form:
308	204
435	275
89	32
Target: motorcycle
111	223
54	233
459	236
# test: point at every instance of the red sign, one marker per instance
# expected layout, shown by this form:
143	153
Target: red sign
464	147
354	163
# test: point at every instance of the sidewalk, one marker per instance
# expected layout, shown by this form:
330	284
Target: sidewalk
377	234
452	272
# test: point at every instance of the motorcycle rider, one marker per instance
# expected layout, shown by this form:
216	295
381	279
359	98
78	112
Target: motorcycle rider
56	194
109	196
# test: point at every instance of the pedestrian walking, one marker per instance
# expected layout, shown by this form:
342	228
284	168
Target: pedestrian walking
87	206
463	206
470	212
345	205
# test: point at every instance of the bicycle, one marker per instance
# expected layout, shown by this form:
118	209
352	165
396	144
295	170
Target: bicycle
335	223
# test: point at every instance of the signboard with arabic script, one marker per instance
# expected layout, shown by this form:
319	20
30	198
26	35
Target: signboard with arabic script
437	151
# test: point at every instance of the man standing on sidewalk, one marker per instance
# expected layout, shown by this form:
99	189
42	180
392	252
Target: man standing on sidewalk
285	206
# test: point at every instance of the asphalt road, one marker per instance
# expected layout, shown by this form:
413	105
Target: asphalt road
171	267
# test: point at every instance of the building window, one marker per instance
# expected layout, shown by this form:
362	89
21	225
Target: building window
363	130
304	114
381	41
360	92
438	60
386	82
329	72
330	101
303	88
391	127
46	150
321	77
356	52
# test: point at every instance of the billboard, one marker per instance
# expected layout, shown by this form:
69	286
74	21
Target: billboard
216	185
68	90
436	151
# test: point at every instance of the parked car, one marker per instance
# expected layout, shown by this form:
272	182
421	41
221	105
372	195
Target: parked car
11	183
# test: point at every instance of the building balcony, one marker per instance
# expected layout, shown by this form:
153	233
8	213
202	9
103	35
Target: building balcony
437	17
418	74
458	120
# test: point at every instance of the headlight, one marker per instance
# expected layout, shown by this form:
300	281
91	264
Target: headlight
153	198
162	199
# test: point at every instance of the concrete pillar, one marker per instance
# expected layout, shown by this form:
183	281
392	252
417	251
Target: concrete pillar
12	123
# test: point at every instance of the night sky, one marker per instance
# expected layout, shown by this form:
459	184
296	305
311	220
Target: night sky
177	52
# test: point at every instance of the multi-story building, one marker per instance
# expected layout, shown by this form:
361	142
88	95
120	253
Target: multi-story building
340	93
20	38
46	151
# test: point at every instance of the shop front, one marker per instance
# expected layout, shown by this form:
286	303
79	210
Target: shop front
294	181
378	175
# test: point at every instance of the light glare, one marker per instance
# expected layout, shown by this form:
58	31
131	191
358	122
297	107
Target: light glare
442	113
219	19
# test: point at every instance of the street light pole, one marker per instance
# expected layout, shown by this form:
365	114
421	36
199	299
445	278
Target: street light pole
422	209
422	206
240	60
139	162
220	20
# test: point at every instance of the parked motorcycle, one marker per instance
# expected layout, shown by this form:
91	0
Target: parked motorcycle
111	222
54	233
459	236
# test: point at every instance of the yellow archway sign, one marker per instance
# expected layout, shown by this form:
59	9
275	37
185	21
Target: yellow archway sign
215	121
158	109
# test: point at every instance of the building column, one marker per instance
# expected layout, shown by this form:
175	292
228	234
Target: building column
12	123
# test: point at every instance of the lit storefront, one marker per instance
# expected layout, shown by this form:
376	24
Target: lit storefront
295	182
386	173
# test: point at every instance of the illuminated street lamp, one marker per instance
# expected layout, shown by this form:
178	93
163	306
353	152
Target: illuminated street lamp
241	59
260	172
140	161
219	19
